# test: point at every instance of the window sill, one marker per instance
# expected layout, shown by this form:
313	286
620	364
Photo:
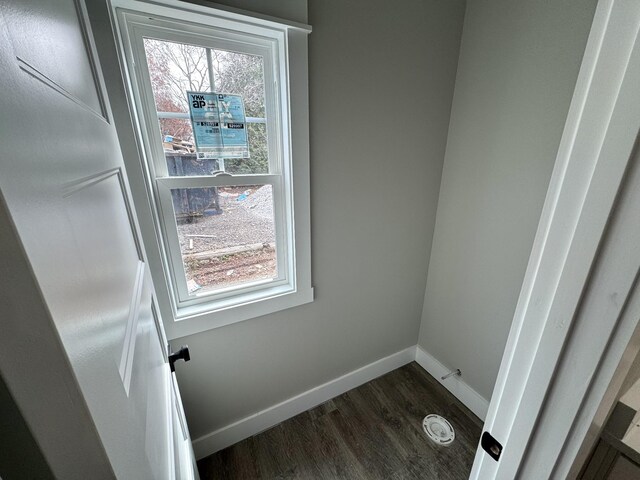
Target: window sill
199	318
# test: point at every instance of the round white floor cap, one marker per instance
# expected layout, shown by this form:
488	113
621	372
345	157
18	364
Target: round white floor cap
438	429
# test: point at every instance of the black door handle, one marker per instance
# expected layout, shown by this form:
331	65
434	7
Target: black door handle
182	354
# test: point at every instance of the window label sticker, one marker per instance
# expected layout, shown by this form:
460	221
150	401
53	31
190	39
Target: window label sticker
219	124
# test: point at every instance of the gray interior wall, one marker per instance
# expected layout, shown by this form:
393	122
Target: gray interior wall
518	66
294	10
381	85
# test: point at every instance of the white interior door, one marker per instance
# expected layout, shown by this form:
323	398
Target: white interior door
576	306
65	195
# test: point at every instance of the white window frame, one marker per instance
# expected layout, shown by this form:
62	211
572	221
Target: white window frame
284	49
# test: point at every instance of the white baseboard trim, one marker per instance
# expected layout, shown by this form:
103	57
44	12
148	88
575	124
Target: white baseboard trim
463	392
258	422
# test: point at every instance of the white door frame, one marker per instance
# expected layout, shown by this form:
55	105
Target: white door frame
592	163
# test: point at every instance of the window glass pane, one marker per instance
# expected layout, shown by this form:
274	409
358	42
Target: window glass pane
175	68
258	161
188	164
226	234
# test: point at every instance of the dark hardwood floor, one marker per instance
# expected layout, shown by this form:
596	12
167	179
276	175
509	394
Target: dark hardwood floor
371	432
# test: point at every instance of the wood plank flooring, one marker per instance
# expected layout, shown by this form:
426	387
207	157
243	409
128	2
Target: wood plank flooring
371	432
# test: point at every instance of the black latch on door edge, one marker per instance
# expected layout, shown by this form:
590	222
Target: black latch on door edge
182	354
491	446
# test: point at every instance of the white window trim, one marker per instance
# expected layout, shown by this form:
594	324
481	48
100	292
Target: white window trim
293	288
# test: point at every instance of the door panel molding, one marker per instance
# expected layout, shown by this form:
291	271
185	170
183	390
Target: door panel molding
38	75
66	46
76	186
129	344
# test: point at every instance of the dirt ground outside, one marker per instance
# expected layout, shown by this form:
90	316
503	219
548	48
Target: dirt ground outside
233	247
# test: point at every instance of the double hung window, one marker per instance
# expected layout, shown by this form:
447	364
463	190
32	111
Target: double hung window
222	190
